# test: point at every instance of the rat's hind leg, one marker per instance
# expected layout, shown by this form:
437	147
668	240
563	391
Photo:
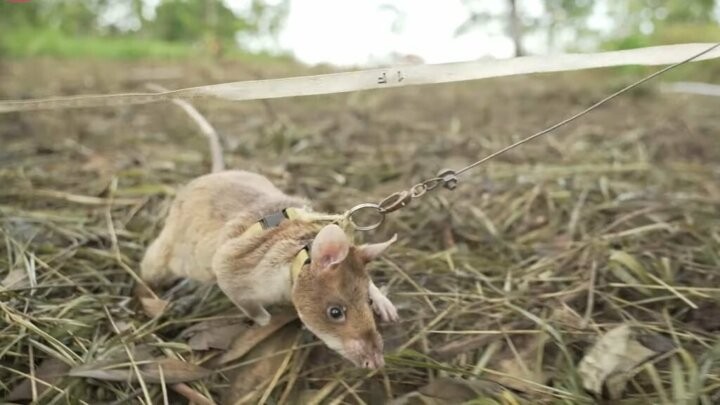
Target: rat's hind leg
382	305
244	299
154	269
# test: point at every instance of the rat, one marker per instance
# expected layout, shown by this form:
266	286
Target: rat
261	247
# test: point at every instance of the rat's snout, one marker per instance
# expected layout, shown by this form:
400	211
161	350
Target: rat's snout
374	361
366	352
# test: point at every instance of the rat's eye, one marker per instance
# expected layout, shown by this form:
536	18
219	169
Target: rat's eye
336	313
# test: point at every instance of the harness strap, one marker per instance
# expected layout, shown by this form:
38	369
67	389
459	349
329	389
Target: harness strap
274	220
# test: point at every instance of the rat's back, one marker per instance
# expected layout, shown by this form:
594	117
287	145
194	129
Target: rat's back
199	218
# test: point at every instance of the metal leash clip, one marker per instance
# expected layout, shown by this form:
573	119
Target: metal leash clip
401	199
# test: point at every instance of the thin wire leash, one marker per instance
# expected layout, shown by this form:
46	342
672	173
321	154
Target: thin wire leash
448	178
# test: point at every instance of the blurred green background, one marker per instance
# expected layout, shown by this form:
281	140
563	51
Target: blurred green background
181	28
122	29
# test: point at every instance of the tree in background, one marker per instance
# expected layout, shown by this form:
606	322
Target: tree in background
633	15
648	22
70	16
195	21
212	23
567	17
480	17
564	23
192	20
557	16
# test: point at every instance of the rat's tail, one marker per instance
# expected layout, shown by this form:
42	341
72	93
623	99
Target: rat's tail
216	152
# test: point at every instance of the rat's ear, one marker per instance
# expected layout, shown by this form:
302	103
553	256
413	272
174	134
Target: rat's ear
372	251
330	246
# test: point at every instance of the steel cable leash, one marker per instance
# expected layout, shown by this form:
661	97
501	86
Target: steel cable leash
448	178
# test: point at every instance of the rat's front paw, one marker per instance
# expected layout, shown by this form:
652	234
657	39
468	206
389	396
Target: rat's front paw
384	308
255	312
262	319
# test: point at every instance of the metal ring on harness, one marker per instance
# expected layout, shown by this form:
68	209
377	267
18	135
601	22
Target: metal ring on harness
354	210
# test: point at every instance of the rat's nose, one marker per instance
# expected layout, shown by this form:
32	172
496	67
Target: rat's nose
374	361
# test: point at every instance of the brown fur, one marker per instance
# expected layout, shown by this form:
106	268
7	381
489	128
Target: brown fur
346	285
203	239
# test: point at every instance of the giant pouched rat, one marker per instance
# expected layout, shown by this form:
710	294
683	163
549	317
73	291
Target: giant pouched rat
261	247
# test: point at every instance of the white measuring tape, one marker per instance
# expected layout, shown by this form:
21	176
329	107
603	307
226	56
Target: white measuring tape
381	78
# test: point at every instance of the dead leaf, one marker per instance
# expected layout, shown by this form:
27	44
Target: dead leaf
464	345
454	388
250	381
214	334
111	366
305	396
445	390
115	366
565	315
123	326
16	279
102	371
629	270
99	164
253	335
611	360
151	304
414	398
154	307
50	371
656	343
173	371
518	377
520	367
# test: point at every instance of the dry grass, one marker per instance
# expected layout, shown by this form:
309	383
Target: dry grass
504	283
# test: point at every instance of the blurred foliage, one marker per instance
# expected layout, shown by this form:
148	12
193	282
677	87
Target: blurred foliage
645	23
565	14
556	16
652	22
565	24
29	42
134	28
636	15
666	34
178	20
129	29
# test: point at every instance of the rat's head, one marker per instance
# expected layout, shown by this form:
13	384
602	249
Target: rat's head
331	297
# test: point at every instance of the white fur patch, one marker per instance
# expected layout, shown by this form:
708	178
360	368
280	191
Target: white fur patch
273	286
330	341
382	305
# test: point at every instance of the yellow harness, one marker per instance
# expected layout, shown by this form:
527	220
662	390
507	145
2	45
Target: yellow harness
273	220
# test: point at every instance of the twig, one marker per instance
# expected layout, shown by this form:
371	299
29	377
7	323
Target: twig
131	358
141	285
281	370
33	384
192	395
591	296
218	164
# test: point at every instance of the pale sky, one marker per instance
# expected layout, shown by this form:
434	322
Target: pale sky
362	32
357	32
